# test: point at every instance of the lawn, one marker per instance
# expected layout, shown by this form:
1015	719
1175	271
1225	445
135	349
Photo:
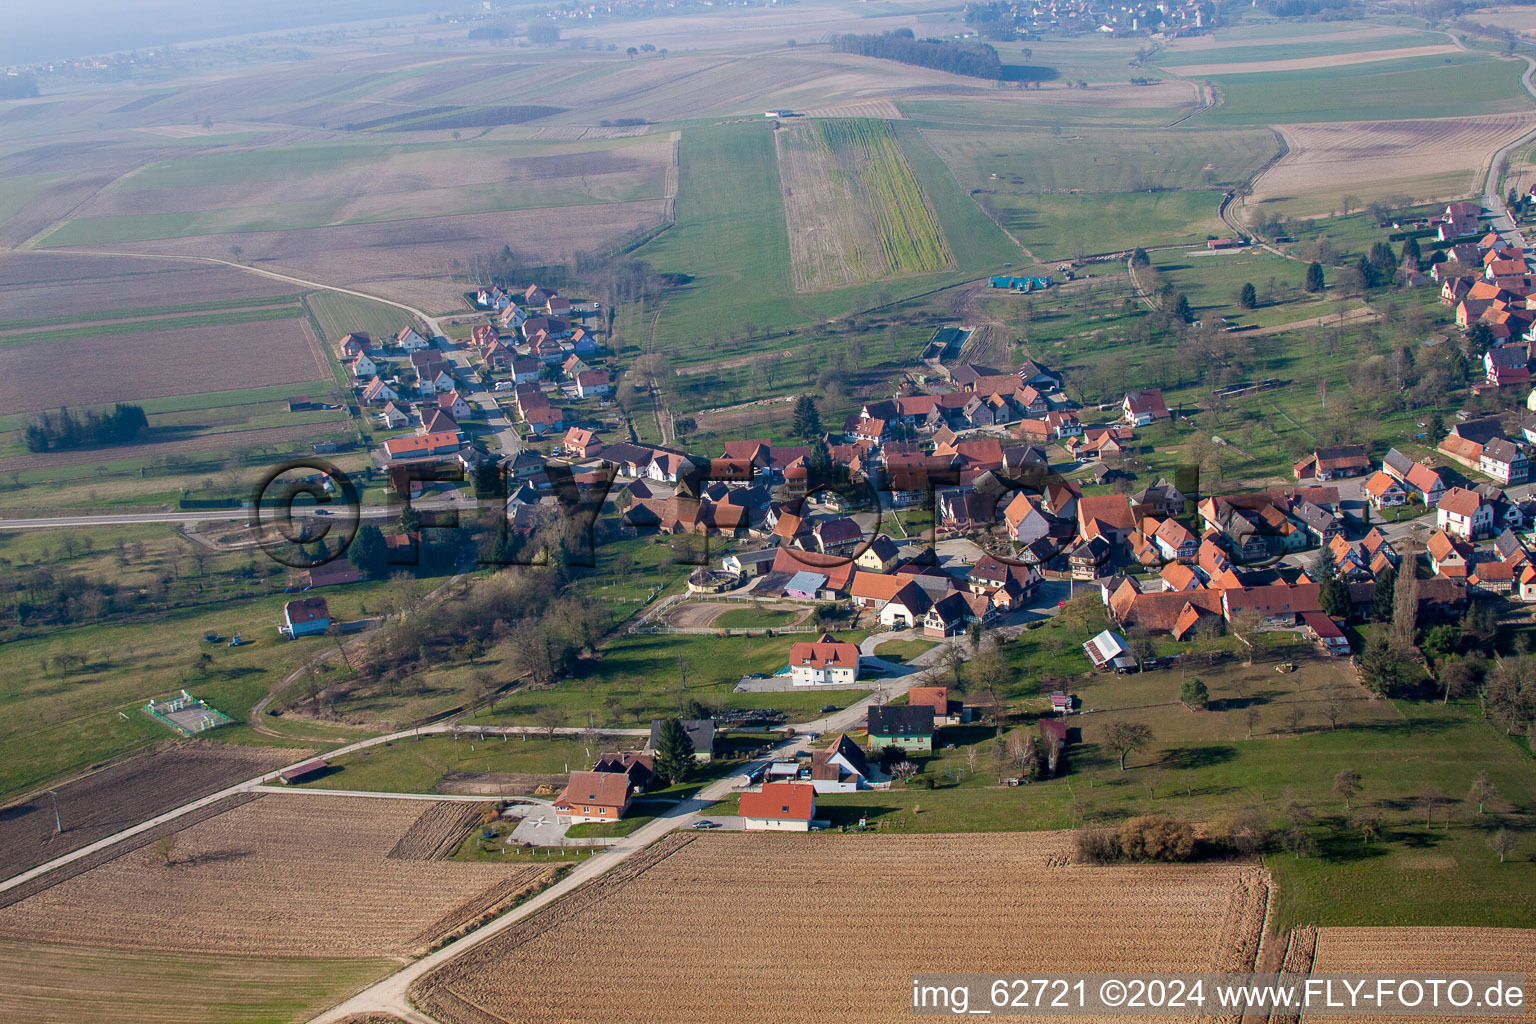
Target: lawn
904	650
1458	84
652	675
751	617
414	765
61	717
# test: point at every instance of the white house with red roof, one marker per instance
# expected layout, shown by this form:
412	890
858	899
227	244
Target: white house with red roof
1143	408
591	383
1464	514
823	662
779	807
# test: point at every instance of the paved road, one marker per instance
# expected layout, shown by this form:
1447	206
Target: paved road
390	995
1503	223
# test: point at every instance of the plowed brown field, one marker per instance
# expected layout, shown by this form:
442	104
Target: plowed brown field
832	928
1423	953
283	875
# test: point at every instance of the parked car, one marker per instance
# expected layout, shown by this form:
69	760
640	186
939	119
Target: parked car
828	708
705	824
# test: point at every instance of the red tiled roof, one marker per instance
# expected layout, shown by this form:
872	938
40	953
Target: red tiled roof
781	801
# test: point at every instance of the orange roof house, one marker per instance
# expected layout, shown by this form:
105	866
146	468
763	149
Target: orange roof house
780	807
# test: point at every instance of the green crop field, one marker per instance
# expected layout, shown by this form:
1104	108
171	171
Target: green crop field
866	152
46	982
338	314
1294	50
1455	85
1096	160
1056	227
986	113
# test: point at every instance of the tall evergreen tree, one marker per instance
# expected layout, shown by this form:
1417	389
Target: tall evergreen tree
367	551
1333	598
807	425
1381	598
1315	277
674	752
1182	309
1248	297
1411	250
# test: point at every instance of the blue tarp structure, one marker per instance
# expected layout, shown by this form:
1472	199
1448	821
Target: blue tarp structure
1022	284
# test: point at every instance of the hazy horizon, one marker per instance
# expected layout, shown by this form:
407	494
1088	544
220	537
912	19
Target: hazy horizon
70	29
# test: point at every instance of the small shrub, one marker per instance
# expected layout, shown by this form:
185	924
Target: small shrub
1155	837
1097	846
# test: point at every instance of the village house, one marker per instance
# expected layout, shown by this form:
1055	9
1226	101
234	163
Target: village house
594	796
823	662
355	344
1416	478
779	807
361	366
1328	463
392	417
592	383
840	767
421	446
905	726
1382	491
410	339
880	555
308	616
945	710
1143	408
378	393
1026	522
1464	514
1447	556
1503	460
580	443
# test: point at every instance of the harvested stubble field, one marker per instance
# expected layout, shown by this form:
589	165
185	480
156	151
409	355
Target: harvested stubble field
854	209
985	915
1418	952
122	795
283	875
1326	160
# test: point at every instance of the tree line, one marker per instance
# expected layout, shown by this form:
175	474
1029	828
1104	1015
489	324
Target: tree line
61	430
18	87
978	60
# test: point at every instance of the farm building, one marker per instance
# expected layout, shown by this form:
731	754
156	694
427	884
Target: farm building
299	772
1326	632
307	616
1107	650
594	796
779	807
